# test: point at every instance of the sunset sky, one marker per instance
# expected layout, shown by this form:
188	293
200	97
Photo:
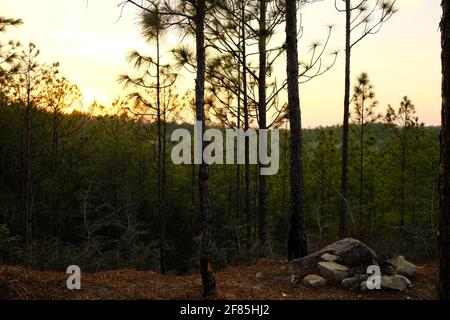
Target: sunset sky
91	42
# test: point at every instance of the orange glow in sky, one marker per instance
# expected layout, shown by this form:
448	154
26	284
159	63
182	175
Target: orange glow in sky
91	43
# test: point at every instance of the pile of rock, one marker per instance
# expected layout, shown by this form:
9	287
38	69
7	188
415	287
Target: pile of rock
345	263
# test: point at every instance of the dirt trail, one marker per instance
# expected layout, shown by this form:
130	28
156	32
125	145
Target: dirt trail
233	283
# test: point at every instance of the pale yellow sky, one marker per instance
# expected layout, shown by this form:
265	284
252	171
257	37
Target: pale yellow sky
91	44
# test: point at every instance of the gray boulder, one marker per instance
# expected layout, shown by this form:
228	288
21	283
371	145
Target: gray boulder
387	268
404	267
354	282
363	277
353	254
407	281
329	257
395	282
314	281
333	271
294	280
363	286
351	283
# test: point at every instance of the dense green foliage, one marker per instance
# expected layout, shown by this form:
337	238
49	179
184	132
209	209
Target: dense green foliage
106	195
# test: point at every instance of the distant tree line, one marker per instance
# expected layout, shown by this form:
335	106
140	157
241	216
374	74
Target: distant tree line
105	182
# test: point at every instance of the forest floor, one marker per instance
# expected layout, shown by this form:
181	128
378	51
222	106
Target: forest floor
234	283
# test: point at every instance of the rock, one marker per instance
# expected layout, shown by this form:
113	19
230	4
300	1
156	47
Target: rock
353	254
404	267
259	275
362	281
407	281
333	271
294	280
314	281
329	257
363	286
351	283
387	268
363	277
395	282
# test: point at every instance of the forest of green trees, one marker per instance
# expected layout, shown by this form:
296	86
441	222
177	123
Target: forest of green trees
95	185
95	195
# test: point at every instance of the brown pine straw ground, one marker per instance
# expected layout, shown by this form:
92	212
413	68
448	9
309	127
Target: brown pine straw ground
234	283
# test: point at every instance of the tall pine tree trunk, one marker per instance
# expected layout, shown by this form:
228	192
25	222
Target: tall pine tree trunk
206	268
402	184
297	244
246	127
238	179
262	191
444	172
161	200
27	175
345	126
54	159
361	167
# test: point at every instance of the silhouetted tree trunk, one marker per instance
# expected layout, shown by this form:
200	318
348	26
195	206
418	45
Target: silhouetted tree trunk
297	243
159	161
238	166
367	20
444	172
402	183
206	268
283	182
246	127
193	207
54	159
238	180
361	165
2	164
345	127
262	191
27	174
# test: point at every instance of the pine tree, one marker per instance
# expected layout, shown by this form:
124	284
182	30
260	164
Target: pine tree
404	122
366	18
444	172
364	114
297	242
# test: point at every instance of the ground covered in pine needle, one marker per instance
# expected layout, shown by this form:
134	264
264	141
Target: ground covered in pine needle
234	283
